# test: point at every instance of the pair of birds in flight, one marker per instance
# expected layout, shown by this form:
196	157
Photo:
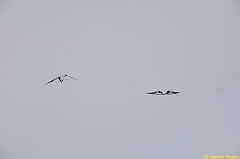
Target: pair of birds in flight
62	78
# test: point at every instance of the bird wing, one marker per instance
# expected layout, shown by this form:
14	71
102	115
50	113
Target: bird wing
175	92
52	80
72	77
156	93
152	92
171	93
160	92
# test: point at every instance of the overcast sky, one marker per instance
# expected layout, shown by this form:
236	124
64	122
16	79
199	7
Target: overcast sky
118	50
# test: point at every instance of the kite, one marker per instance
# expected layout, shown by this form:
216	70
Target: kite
161	93
60	78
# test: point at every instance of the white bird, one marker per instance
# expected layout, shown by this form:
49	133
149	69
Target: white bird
60	78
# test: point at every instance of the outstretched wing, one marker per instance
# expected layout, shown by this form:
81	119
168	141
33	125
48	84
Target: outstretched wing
156	93
52	80
171	92
71	77
175	92
152	92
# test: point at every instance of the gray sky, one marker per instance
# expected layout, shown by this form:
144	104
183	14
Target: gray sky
118	51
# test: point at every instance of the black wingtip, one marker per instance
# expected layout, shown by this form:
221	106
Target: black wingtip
176	92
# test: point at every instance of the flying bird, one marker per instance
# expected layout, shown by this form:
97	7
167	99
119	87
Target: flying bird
60	78
160	93
156	93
